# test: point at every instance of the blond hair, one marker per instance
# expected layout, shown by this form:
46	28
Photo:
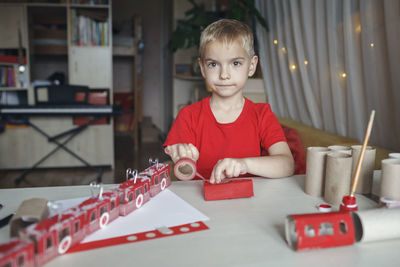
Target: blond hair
228	31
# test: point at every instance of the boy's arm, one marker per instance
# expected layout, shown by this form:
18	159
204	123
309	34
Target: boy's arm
278	164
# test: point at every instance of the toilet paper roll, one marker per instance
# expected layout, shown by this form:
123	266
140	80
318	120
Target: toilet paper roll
315	170
343	149
367	168
377	224
337	177
390	179
394	155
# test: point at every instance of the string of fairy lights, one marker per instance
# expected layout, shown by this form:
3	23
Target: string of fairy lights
293	66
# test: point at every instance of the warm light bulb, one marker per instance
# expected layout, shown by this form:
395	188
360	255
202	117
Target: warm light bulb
293	67
275	41
21	68
372	44
344	75
305	62
284	50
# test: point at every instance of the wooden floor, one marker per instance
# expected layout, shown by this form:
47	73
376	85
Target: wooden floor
125	157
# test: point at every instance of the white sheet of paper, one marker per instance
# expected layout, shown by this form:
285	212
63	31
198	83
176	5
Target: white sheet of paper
165	209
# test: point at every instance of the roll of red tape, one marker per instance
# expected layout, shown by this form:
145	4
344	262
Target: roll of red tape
185	169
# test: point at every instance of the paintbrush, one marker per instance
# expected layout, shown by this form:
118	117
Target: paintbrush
349	202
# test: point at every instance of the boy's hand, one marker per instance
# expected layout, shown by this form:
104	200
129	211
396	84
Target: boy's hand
227	168
178	151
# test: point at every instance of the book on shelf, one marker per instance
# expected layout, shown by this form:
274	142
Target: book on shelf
12	59
88	31
10	76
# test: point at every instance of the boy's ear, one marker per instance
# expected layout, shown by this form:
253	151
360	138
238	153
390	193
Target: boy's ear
201	66
253	65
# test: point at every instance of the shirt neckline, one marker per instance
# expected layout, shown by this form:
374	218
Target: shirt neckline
238	119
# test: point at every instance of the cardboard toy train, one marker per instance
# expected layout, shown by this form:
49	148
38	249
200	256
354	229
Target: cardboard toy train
44	240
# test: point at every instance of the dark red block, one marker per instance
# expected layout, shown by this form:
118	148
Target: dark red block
232	189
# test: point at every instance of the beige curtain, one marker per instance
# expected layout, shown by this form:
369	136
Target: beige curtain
328	63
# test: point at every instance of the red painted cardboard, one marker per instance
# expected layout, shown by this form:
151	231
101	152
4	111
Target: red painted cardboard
319	230
233	189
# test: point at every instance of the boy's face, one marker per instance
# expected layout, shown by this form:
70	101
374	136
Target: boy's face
226	67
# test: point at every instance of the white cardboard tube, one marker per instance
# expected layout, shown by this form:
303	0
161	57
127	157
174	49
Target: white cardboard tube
315	171
394	155
390	179
337	177
377	224
343	149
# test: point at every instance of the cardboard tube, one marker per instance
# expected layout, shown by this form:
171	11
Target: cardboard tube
343	149
367	171
377	224
394	155
337	177
390	179
315	171
29	211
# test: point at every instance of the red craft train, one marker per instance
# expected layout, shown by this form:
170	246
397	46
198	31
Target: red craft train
47	239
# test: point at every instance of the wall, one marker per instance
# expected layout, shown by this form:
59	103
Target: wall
155	20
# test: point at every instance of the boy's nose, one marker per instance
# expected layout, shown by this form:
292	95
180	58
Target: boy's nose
225	74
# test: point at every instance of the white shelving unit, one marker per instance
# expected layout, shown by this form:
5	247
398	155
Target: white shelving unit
89	65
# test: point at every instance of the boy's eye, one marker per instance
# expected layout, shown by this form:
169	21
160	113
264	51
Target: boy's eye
236	63
212	64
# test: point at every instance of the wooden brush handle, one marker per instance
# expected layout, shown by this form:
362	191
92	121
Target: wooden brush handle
357	172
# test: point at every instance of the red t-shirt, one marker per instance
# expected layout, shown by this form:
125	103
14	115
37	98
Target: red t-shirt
256	128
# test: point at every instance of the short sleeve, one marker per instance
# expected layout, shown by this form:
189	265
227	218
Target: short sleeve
270	129
182	129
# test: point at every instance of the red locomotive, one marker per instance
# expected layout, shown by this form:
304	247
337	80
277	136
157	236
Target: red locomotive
47	239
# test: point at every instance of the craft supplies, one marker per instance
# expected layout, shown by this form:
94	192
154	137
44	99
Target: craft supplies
368	165
319	230
315	170
185	170
346	205
324	208
30	211
377	224
394	155
390	179
343	149
337	177
332	229
239	188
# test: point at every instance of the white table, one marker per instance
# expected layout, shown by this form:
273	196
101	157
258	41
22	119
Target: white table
243	232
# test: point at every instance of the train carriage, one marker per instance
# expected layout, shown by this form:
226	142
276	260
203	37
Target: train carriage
55	235
17	252
100	211
159	176
133	194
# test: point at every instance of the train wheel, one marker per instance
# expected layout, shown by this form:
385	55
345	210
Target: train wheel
105	217
64	244
139	201
163	184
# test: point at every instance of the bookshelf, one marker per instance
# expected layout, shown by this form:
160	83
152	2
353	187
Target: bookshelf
72	37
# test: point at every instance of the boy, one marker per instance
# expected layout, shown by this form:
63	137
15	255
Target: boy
224	133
